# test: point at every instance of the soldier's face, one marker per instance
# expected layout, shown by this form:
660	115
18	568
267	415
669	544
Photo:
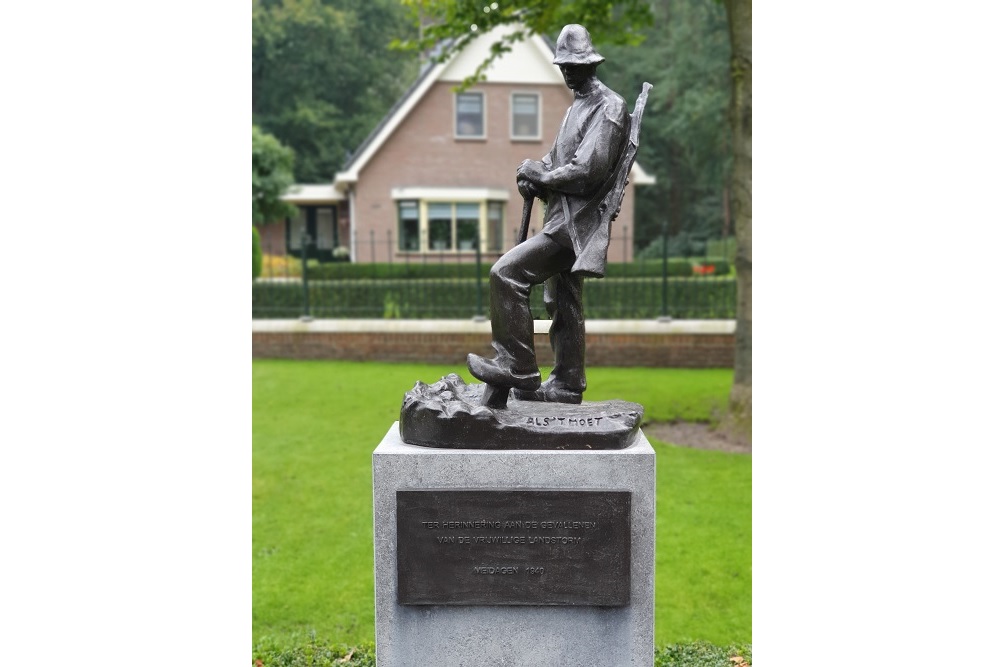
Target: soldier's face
576	75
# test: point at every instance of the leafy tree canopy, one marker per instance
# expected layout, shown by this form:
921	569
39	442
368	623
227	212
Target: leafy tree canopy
449	25
272	174
323	77
686	136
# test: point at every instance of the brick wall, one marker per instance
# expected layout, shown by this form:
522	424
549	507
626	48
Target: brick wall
423	152
677	345
272	238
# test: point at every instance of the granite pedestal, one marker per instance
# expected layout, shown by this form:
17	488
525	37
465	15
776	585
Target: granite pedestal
568	625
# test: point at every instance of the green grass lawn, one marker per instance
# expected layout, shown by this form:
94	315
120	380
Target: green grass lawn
315	424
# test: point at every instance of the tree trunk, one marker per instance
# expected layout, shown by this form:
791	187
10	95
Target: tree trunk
739	419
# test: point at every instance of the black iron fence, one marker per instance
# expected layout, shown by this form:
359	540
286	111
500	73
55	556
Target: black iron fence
455	285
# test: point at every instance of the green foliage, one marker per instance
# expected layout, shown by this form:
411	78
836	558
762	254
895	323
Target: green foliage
685	138
258	255
725	248
451	25
314	427
702	654
681	245
322	75
391	308
272	174
607	298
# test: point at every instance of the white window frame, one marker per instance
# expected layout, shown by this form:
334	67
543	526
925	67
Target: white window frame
425	197
296	224
399	217
425	206
454	115
538	116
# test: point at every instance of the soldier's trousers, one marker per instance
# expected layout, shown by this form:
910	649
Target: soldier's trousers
538	260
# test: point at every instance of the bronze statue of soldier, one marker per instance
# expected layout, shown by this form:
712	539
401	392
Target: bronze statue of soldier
582	181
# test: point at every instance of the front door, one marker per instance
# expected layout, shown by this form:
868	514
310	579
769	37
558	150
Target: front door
320	223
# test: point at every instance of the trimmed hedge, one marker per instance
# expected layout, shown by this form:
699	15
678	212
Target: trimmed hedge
649	269
395	270
436	269
608	298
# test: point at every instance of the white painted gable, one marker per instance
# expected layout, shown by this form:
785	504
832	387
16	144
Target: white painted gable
529	61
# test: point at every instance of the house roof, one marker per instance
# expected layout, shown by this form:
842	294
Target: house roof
529	61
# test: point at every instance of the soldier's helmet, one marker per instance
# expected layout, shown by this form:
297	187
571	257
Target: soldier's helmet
575	48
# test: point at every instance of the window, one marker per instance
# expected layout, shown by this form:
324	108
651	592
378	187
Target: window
320	226
409	226
494	227
524	116
325	229
439	226
469	115
436	226
467	225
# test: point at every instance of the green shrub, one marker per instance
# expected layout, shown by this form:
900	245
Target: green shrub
394	270
652	268
258	255
722	248
686	245
683	244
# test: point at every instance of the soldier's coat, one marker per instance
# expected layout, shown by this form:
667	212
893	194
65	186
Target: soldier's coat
581	169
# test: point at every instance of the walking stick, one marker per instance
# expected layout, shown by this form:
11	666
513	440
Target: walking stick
525	219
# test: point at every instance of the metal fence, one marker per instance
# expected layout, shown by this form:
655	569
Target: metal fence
455	285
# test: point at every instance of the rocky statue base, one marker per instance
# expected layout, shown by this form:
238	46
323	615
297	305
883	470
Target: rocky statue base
449	414
527	558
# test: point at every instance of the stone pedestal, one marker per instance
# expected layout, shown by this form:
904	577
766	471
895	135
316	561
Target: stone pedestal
556	503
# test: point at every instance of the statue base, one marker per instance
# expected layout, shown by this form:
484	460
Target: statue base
450	414
527	558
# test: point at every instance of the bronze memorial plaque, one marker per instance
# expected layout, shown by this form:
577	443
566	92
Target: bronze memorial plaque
513	547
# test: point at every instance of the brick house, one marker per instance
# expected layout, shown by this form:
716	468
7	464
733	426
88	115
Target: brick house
437	173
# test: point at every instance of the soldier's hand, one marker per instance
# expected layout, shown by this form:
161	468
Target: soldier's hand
531	170
528	189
